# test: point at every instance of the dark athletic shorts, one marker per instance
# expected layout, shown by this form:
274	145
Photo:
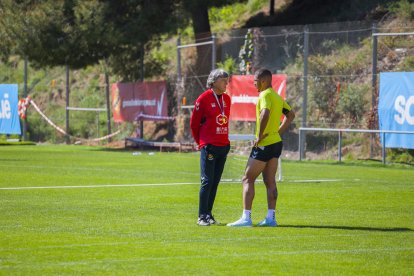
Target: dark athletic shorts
267	152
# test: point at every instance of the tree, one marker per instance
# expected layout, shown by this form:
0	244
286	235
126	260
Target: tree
52	33
272	7
138	30
81	33
198	10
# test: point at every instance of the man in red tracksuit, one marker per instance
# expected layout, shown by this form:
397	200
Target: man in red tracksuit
210	128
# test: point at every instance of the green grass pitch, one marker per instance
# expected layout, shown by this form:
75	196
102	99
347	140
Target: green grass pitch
359	221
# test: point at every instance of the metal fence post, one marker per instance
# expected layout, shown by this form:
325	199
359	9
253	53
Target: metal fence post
25	96
383	148
108	106
178	59
381	133
305	89
213	52
142	77
67	105
373	83
300	144
142	65
340	146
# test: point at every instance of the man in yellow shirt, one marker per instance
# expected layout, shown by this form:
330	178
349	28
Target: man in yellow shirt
267	148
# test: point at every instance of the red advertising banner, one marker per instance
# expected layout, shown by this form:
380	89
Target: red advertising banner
244	95
139	101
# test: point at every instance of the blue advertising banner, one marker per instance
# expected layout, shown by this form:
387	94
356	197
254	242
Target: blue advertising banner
9	116
396	108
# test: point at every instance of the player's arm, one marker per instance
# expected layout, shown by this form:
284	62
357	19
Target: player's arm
195	121
229	100
264	119
289	116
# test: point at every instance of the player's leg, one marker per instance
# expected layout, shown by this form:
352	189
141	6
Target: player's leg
269	178
220	160
253	169
207	164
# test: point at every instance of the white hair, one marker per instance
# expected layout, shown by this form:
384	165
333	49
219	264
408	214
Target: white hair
214	75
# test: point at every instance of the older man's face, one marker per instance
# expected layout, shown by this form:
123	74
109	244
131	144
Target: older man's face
220	85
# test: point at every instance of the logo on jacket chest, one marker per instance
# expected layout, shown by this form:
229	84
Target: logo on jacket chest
213	105
221	119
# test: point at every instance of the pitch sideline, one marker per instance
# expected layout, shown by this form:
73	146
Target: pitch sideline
154	184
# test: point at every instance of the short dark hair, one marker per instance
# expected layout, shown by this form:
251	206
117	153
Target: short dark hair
261	73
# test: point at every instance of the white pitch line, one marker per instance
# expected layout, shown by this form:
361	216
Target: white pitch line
296	180
318	180
225	181
99	186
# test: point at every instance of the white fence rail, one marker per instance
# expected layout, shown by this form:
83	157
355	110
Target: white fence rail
303	130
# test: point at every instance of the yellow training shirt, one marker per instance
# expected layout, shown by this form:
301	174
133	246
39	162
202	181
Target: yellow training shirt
269	99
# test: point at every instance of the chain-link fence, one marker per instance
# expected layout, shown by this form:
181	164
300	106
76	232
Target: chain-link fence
330	75
49	88
329	69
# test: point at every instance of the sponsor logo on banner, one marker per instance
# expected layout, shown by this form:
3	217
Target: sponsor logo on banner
139	101
5	109
9	115
403	108
396	108
244	99
146	103
244	95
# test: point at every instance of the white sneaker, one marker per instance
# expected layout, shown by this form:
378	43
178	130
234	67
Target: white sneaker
267	223
202	221
243	222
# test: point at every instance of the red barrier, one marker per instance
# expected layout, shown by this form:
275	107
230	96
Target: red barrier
139	101
244	95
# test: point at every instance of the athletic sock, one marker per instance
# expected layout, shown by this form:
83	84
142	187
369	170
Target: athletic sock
271	214
246	214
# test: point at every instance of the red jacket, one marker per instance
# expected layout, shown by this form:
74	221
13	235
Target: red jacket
208	124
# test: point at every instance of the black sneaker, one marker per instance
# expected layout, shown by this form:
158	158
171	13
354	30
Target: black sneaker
202	221
210	219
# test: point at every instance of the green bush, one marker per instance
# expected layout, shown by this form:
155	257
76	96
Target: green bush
408	64
228	17
38	129
352	103
403	9
401	156
229	65
319	142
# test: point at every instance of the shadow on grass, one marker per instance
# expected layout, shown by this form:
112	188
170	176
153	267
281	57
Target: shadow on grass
358	228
